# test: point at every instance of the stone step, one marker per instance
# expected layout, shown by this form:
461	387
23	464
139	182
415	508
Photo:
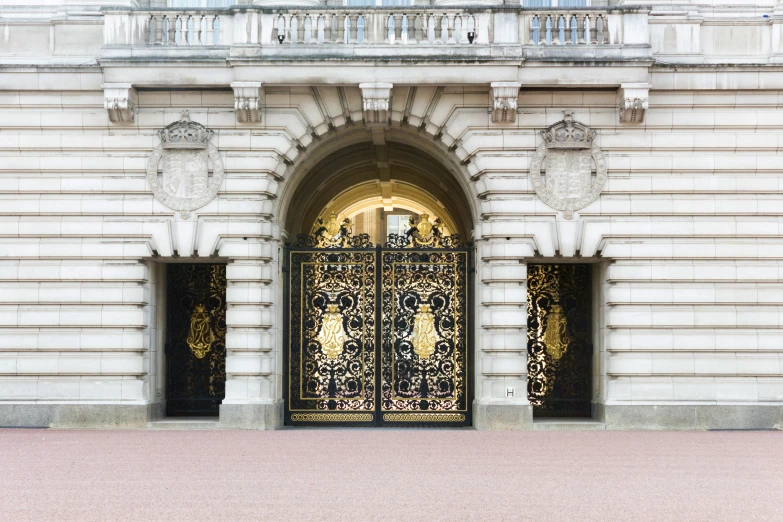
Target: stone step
185	423
568	424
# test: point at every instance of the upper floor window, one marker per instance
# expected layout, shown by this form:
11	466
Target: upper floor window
201	3
556	3
380	3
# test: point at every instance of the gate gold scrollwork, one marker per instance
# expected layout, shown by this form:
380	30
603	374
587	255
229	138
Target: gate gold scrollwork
556	332
423	234
424	335
331	233
332	334
559	349
200	337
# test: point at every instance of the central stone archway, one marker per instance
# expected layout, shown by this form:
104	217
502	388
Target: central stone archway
377	334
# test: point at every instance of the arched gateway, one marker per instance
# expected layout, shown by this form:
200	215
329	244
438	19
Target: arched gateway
378	294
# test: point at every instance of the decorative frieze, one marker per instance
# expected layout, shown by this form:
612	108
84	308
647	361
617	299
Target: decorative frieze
248	101
504	101
376	100
120	100
178	170
568	169
633	100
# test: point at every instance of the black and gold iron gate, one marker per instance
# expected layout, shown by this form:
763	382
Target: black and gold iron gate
195	339
558	339
378	335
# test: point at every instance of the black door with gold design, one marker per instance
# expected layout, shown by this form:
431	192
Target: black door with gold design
559	339
195	339
378	335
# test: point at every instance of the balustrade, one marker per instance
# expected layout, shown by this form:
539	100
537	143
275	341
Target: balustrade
567	28
375	26
363	26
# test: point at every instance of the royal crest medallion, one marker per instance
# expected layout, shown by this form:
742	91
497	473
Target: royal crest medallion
568	169
185	171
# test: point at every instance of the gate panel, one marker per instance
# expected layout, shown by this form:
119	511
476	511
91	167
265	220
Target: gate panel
195	339
424	336
331	366
559	340
377	335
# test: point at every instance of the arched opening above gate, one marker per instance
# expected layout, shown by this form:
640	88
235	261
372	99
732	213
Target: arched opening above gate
380	188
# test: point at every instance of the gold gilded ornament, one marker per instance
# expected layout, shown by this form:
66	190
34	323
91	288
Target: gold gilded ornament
200	337
424	334
332	335
556	334
424	226
332	226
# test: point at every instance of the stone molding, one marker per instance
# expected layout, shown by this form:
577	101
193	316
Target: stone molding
120	101
376	100
632	101
248	101
569	148
504	101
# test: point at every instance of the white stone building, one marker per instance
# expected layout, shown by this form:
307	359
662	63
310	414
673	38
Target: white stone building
634	143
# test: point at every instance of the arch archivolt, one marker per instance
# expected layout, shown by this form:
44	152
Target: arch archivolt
446	124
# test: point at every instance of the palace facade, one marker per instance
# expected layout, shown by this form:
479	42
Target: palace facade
553	214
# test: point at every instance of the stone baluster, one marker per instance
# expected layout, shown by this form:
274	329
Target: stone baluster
463	29
586	37
387	23
354	20
210	29
313	28
339	24
221	29
450	35
184	31
300	26
398	28
419	26
288	29
197	30
172	29
328	21
599	30
158	29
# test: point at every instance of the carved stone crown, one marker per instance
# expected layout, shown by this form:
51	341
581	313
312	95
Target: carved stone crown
568	134
185	134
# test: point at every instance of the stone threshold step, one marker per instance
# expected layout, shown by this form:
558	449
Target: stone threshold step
185	423
567	424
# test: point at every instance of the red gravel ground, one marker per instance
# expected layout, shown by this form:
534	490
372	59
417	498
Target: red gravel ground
357	475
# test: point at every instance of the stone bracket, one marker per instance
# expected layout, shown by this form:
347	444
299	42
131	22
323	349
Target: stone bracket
632	101
504	101
376	102
248	101
120	101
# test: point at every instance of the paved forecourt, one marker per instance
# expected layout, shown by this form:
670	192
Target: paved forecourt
353	474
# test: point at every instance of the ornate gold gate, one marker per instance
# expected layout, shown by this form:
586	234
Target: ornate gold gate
558	339
378	334
195	339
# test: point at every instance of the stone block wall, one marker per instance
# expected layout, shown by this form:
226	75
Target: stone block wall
686	232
